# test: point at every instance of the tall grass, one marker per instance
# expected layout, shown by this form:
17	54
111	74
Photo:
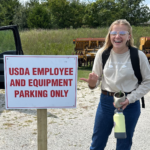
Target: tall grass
60	42
55	42
140	32
7	41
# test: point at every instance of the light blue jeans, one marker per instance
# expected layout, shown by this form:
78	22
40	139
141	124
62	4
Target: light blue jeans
104	123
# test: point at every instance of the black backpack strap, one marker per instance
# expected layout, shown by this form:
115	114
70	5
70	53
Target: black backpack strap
105	55
135	61
143	102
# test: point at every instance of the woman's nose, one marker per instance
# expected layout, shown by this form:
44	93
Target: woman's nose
117	35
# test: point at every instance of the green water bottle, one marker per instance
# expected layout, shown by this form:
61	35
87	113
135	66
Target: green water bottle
119	124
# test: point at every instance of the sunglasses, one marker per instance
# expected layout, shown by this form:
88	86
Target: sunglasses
121	33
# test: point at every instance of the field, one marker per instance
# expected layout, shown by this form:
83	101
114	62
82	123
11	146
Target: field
60	42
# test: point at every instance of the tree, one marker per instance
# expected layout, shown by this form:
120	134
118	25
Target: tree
39	17
2	16
20	17
134	11
77	11
9	8
60	10
32	3
101	13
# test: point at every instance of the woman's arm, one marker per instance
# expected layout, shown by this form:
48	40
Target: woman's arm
144	87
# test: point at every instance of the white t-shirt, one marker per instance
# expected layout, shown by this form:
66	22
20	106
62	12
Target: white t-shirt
118	74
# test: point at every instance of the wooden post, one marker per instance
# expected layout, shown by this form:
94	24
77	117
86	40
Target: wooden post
42	129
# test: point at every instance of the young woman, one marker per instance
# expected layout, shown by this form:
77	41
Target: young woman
117	75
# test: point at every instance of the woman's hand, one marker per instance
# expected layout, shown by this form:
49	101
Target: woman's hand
124	104
91	80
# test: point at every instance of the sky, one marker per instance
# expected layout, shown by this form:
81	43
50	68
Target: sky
146	2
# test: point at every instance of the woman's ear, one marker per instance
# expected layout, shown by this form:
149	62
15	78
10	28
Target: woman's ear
129	37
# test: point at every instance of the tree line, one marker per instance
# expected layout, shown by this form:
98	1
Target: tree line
56	14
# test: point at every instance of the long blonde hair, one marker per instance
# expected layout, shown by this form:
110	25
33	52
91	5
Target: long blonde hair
108	43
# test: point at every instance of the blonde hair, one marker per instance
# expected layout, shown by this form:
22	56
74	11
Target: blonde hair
108	43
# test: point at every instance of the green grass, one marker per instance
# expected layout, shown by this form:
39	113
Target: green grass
55	42
83	72
60	42
7	41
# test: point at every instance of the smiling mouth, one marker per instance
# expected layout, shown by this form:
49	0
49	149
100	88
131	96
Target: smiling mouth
117	41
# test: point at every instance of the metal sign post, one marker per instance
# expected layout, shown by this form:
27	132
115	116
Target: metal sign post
42	129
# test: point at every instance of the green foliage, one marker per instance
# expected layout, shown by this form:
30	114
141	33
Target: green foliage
32	3
55	42
76	13
20	17
7	41
7	11
66	13
120	94
60	10
58	14
134	11
101	13
39	17
2	15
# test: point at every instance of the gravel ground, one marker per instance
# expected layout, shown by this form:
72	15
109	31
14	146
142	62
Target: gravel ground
68	129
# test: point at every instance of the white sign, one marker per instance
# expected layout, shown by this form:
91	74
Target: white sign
40	82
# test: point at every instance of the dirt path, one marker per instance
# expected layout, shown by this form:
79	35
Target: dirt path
68	129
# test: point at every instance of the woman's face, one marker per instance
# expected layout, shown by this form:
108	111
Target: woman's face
119	35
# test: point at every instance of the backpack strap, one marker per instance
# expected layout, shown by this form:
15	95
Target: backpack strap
105	55
135	61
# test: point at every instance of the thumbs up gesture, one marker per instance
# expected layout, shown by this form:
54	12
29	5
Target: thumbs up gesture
91	80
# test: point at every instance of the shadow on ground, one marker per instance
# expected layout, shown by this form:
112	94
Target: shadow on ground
27	111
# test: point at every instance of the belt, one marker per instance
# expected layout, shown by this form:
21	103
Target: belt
108	93
111	93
